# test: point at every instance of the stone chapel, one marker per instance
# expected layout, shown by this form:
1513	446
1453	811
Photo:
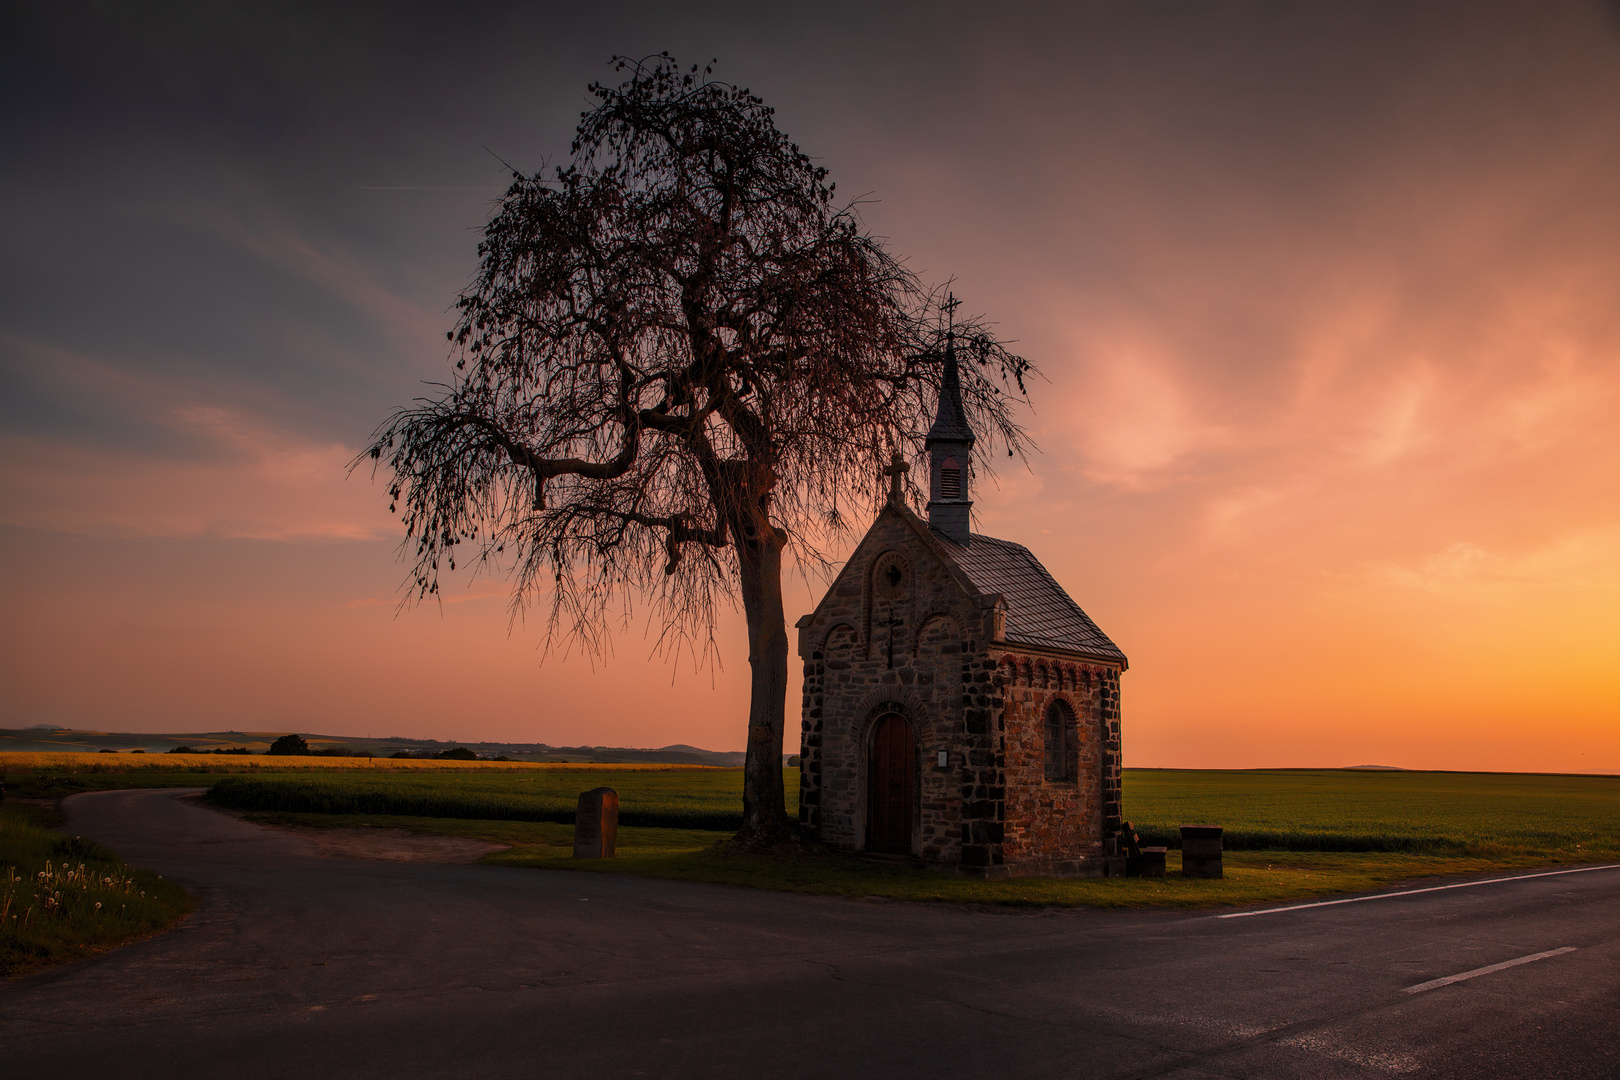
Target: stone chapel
959	708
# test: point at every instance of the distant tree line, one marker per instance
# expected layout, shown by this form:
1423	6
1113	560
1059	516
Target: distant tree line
287	745
455	753
216	750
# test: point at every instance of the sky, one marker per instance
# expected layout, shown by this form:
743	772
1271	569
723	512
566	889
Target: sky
1325	297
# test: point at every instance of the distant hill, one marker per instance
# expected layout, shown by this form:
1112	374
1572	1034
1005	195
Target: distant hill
47	738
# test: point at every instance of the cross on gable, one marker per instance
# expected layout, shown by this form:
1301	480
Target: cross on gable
897	469
892	622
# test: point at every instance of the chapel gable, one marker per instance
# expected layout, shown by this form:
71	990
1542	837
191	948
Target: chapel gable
959	708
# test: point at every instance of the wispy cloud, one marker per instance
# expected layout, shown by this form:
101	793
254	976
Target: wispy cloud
1585	562
260	227
243	480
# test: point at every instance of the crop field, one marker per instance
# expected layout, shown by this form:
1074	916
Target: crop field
1290	833
1354	810
1283	810
21	760
53	775
1278	810
687	798
62	897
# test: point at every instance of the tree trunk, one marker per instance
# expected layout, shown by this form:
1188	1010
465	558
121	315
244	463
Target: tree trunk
759	554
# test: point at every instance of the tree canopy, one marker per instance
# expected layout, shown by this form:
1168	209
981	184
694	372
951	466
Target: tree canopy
680	358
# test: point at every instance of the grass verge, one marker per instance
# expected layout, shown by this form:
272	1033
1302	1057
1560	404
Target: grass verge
63	898
1252	877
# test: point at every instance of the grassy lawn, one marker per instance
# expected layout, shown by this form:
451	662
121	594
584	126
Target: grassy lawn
1252	877
1410	827
62	898
699	855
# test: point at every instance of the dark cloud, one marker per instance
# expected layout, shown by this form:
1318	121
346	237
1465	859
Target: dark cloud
1318	287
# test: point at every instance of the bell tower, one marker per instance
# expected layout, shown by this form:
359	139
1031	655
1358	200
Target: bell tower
950	457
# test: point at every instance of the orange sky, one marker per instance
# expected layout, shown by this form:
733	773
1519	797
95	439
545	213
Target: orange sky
1326	304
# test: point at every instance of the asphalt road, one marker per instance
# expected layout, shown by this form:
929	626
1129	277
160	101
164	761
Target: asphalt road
296	965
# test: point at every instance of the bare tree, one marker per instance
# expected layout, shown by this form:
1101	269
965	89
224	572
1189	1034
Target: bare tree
679	360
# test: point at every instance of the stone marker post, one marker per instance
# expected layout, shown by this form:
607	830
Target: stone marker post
596	824
1201	851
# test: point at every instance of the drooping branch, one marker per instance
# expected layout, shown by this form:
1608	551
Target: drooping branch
677	342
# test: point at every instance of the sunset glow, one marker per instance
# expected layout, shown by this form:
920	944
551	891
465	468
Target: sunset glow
1327	306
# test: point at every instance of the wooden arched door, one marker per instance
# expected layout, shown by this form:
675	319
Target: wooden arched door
891	786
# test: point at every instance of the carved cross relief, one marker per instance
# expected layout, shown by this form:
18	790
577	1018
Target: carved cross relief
889	594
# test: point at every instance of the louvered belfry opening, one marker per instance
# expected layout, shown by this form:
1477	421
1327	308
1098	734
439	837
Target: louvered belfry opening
950	454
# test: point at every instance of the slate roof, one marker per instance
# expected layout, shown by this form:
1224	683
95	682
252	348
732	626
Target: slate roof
950	421
1039	612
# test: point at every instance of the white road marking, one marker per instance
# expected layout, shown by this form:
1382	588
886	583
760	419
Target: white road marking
1414	892
1477	972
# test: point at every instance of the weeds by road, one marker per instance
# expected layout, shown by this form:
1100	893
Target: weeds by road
62	898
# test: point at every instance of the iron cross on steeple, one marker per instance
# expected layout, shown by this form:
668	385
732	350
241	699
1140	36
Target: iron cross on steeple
949	308
897	469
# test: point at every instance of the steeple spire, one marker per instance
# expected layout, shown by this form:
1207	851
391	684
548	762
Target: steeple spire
950	452
950	422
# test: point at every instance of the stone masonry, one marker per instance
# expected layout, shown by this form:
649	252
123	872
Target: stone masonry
1009	691
903	629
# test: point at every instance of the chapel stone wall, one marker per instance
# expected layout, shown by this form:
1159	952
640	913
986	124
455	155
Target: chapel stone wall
1059	824
898	633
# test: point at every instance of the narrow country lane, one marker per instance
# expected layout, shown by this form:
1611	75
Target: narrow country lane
296	964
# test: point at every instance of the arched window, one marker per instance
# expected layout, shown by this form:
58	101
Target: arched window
1059	733
950	479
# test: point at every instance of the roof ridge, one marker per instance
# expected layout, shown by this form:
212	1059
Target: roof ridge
1040	612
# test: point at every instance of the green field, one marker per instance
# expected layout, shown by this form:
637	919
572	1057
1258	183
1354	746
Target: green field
62	898
674	799
1290	833
1279	810
1355	810
1276	810
1325	833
